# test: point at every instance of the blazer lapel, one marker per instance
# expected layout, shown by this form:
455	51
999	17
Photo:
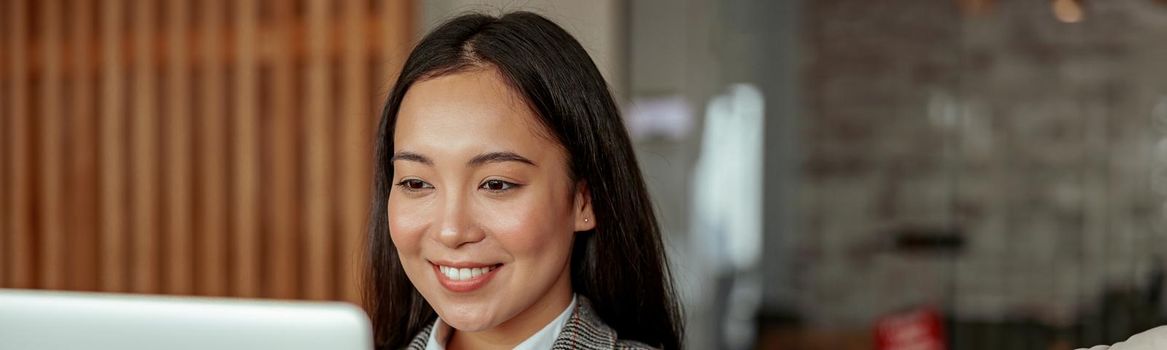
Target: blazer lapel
585	331
419	342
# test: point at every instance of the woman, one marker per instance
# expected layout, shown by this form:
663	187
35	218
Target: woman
508	209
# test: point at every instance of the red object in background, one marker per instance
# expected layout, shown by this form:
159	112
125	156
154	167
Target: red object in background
918	329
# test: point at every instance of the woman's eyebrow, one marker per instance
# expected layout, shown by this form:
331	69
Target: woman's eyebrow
410	156
498	157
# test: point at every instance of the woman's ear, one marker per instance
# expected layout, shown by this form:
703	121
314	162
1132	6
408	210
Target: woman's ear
585	219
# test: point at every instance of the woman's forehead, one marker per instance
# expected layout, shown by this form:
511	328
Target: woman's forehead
468	113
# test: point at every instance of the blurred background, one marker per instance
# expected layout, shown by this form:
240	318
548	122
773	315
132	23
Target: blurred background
829	174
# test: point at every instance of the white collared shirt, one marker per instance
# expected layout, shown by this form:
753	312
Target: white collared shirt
543	339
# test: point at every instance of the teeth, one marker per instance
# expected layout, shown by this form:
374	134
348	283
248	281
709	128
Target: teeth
463	274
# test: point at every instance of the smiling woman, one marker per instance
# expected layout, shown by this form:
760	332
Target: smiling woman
508	209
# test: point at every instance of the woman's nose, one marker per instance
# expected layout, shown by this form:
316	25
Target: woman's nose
457	226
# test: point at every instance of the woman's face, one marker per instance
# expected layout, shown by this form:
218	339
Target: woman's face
482	211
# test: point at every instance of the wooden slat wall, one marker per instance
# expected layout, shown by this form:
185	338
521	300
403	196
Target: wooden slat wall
82	223
211	223
143	138
191	147
283	215
245	197
50	172
178	249
20	200
318	121
114	210
353	170
4	171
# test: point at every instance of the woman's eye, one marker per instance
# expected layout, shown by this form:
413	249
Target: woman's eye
497	185
413	185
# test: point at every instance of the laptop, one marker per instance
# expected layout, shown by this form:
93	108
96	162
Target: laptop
48	320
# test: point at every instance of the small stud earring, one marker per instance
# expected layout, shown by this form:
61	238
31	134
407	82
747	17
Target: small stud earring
586	219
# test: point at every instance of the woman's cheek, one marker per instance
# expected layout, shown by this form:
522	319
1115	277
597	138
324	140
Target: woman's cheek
521	226
406	224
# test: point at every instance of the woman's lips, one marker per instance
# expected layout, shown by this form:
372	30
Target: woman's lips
462	278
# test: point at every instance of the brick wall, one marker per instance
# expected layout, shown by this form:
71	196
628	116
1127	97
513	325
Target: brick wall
1034	138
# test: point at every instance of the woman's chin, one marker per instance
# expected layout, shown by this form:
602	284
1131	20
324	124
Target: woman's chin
468	317
473	323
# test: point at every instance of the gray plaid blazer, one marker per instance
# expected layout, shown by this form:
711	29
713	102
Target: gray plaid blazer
583	331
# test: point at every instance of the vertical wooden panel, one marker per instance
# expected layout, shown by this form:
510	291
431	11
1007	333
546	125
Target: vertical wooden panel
212	220
395	19
100	189
52	245
245	197
82	174
282	217
144	160
6	54
20	246
179	262
318	131
113	175
354	149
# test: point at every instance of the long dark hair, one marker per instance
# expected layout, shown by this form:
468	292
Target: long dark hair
620	265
